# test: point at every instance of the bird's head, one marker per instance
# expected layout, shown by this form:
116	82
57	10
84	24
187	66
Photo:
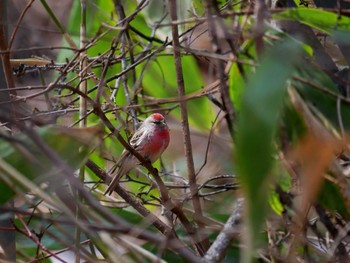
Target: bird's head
156	119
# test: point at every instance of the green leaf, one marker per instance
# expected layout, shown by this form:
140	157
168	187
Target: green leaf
101	11
236	80
316	18
276	204
236	84
262	104
198	7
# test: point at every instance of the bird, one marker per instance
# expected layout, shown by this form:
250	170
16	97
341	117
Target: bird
150	140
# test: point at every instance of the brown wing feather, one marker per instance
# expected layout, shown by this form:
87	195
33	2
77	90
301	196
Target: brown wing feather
125	166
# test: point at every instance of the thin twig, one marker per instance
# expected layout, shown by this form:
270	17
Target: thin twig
29	4
29	234
124	45
208	144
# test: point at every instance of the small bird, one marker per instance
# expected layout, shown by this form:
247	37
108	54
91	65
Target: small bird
150	141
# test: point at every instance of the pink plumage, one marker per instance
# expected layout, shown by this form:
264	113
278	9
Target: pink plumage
150	141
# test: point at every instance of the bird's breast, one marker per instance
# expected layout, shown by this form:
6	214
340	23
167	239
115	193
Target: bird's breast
157	144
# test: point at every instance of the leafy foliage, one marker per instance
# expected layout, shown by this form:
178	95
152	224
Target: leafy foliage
267	100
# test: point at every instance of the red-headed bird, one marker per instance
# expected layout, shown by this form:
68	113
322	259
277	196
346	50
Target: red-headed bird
150	141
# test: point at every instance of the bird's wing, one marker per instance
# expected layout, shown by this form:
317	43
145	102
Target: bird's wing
124	163
138	137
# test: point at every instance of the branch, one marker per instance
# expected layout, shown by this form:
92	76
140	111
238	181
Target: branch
220	68
218	249
260	13
186	130
155	221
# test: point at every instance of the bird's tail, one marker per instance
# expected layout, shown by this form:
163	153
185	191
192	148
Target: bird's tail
114	182
126	163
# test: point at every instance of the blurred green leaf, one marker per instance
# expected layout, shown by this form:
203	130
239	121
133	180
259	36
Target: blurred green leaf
156	12
130	216
236	84
284	181
276	204
159	81
198	7
72	145
37	225
58	24
331	198
101	11
160	77
342	37
294	127
316	18
321	100
262	104
6	192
